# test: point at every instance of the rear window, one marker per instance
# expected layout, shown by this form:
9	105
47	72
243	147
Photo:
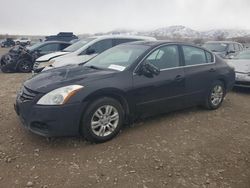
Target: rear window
210	57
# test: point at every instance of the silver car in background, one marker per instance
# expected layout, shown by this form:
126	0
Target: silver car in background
241	64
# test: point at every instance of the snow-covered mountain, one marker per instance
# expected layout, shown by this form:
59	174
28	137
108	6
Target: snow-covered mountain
179	31
225	33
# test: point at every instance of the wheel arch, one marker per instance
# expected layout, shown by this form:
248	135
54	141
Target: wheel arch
114	93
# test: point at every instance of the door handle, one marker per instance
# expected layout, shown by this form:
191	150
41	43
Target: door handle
212	70
179	78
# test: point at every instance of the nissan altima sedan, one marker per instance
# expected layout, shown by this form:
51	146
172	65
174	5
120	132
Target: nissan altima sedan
241	64
123	83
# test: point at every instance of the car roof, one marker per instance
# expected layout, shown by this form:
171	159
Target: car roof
122	37
55	41
159	43
226	42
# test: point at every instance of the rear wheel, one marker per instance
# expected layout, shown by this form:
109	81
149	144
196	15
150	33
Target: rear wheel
24	65
215	96
103	120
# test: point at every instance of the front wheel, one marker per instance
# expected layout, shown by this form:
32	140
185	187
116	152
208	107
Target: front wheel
215	96
103	120
24	65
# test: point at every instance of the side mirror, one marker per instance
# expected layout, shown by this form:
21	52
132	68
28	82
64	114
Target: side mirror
90	51
149	70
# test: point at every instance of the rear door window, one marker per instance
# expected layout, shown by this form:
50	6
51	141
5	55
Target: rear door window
194	56
165	57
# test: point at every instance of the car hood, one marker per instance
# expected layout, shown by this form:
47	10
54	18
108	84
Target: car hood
240	65
69	60
51	56
73	74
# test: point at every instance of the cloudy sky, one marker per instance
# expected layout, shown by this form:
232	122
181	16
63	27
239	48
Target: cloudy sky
90	16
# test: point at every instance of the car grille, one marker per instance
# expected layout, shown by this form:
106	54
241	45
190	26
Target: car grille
27	95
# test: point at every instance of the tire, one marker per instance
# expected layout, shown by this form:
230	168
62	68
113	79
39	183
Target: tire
94	123
215	96
24	65
4	70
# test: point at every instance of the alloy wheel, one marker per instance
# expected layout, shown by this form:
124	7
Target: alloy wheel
105	120
217	95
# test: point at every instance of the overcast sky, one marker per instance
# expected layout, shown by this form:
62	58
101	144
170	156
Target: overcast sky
90	16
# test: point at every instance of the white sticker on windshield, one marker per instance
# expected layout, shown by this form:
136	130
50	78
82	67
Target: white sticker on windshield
116	67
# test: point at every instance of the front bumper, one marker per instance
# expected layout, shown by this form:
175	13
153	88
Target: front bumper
50	121
242	80
242	84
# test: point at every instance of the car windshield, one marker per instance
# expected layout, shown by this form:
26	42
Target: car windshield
34	46
216	47
243	55
117	58
78	45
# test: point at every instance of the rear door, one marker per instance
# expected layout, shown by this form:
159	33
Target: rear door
199	72
163	92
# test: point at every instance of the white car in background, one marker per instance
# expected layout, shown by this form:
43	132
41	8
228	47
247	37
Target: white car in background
241	64
23	40
83	50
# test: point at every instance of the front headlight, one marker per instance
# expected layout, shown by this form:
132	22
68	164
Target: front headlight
59	96
45	64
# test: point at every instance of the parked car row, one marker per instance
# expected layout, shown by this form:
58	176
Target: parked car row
82	51
94	97
24	41
8	42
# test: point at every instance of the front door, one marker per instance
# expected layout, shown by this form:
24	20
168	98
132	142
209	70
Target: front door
163	92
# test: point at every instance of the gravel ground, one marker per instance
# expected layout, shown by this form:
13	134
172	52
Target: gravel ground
188	148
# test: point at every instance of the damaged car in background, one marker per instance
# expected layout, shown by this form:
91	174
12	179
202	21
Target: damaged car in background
21	59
